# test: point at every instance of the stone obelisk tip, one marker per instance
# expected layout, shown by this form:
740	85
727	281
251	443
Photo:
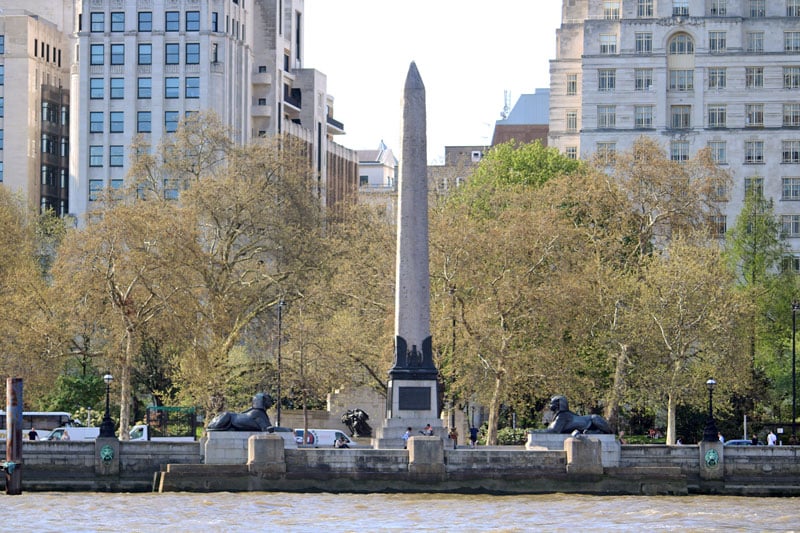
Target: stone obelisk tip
413	79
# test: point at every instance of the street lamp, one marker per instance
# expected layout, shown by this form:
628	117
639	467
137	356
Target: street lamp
795	307
710	434
107	427
281	303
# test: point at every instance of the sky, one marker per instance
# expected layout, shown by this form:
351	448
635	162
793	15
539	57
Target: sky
468	53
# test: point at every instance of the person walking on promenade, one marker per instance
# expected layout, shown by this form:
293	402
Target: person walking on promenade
406	436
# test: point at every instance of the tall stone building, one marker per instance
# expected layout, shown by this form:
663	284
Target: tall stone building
81	79
35	57
722	74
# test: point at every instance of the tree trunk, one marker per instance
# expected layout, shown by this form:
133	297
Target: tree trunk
125	388
671	407
494	410
612	409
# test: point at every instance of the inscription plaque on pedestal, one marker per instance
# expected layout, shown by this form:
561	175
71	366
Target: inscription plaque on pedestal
414	398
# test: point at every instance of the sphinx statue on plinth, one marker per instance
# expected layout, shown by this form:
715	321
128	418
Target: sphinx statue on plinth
254	419
565	421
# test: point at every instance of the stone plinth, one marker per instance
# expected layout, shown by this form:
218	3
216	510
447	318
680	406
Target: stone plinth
712	466
228	447
583	455
265	454
609	445
426	457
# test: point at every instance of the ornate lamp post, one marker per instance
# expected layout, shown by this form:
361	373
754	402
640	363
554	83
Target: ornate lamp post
795	307
710	434
281	304
107	427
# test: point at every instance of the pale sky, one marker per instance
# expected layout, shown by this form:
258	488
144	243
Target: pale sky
468	52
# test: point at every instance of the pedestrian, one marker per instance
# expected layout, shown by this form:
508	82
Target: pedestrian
679	442
406	436
622	438
473	437
754	440
65	435
720	437
428	431
772	439
454	436
32	435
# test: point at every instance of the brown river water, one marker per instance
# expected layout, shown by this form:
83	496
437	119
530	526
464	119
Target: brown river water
224	512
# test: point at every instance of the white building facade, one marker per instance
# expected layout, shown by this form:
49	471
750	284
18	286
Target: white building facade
721	74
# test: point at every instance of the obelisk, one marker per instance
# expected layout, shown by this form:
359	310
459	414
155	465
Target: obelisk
412	395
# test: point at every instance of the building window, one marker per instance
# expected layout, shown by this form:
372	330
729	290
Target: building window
606	116
791	263
681	116
611	9
95	156
718	225
757	8
681	44
144	89
192	53
791	41
791	188
145	21
2	44
719	152
680	8
172	21
97	54
98	22
679	151
96	88
755	41
192	87
717	41
754	115
118	21
754	152
2	136
790	225
116	122
716	116
754	77
793	8
790	152
171	121
791	77
719	8
643	79
571	152
608	43
572	84
607	152
717	78
145	54
96	122
681	80
192	21
95	190
791	115
172	88
644	42
606	79
172	53
643	116
170	189
143	122
116	155
117	54
117	87
644	8
572	121
754	185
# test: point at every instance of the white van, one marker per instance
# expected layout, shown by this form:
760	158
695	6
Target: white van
74	433
325	438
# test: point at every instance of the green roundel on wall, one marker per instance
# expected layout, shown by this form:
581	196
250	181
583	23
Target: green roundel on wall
712	458
106	453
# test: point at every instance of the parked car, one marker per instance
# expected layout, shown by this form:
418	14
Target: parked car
738	442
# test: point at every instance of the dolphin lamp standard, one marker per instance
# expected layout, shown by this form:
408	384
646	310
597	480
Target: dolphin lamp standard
710	433
795	307
107	427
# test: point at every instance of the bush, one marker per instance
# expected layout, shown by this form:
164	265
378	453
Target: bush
512	437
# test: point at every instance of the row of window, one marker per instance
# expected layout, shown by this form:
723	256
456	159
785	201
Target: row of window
680	8
172	54
116	121
144	87
683	79
683	44
681	116
172	21
96	186
55	145
53	176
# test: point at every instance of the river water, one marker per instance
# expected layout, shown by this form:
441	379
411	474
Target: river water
233	512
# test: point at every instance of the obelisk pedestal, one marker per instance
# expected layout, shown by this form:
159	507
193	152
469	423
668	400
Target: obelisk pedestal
413	396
